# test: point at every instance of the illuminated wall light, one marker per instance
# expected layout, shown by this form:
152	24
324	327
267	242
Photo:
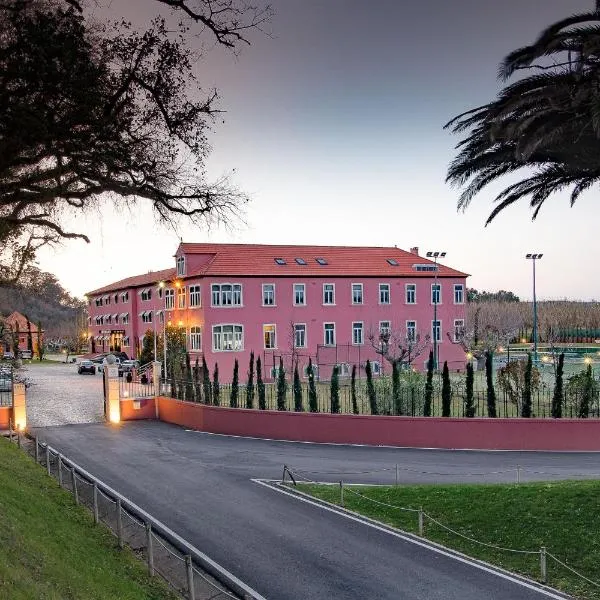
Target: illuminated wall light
115	417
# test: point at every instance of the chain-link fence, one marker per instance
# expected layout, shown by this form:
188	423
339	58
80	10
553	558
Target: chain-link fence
187	570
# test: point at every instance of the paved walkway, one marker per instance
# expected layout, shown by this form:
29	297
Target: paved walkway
201	486
58	395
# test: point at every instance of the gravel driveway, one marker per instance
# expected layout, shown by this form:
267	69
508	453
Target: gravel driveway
58	395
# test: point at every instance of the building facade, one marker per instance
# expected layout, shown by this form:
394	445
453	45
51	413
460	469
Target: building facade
18	334
336	305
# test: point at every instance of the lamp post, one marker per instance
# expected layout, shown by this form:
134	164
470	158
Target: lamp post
435	255
533	258
161	285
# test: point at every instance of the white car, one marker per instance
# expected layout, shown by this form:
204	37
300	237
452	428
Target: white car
104	363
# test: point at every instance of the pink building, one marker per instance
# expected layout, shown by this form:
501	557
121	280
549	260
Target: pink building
328	303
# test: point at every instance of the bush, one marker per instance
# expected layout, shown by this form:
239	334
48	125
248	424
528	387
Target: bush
429	387
216	390
206	387
260	386
446	391
313	404
281	386
250	383
353	391
469	401
371	395
335	390
558	396
490	392
297	389
233	396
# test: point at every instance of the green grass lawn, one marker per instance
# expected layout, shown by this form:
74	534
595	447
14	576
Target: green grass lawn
562	516
51	550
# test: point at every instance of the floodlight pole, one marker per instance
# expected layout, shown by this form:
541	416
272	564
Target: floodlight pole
435	329
534	258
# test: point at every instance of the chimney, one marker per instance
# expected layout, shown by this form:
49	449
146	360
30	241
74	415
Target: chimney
415	250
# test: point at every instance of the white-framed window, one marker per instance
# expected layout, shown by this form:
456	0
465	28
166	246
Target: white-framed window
107	300
116	298
269	336
329	334
315	369
226	294
268	293
125	297
161	316
108	319
160	292
125	318
146	294
436	331
299	294
384	293
411	293
358	333
343	369
459	329
98	301
146	316
180	266
195	298
125	342
196	338
357	293
385	327
181	297
228	337
169	298
300	335
329	293
459	293
376	367
436	293
411	331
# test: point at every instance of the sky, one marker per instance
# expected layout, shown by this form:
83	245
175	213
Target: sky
334	128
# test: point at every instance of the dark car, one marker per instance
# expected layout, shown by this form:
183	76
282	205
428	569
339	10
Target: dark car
86	366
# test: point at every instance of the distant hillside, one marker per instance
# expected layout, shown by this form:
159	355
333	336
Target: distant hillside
40	297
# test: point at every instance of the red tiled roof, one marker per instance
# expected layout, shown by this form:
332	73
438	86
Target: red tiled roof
135	281
256	259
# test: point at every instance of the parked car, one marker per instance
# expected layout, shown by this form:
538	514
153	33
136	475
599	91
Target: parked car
102	364
8	355
86	366
128	365
26	354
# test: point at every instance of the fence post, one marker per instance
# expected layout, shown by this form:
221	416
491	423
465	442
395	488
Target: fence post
95	503
543	572
283	475
396	473
150	552
518	473
18	439
37	449
48	459
74	480
190	577
119	523
341	493
60	478
421	528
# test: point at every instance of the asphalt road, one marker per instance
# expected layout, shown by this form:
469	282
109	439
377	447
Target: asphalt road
200	485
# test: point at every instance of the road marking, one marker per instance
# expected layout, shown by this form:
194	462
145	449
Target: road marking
427	545
141	512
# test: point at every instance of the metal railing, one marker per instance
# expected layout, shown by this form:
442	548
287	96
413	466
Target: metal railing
408	401
185	568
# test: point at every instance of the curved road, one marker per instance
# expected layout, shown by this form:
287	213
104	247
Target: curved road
200	485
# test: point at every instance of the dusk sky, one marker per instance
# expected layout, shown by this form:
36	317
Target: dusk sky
334	127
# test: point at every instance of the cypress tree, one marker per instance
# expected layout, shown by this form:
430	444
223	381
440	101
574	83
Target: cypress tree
313	404
216	390
371	395
281	386
353	390
428	387
189	382
469	401
558	396
197	387
396	388
489	378
30	337
260	386
250	383
206	387
335	390
446	391
233	396
588	393
526	404
41	347
297	388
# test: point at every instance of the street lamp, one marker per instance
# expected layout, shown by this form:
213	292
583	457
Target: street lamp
435	256
534	258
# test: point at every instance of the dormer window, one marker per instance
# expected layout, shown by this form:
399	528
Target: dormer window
280	261
321	261
180	266
393	262
300	261
429	267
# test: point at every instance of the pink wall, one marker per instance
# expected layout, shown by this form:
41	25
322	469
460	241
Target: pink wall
132	410
419	432
5	416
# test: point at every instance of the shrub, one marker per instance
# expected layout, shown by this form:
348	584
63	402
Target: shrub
335	390
250	383
526	406
313	405
446	391
206	387
396	388
558	396
260	386
490	392
233	396
371	395
281	386
297	389
216	390
353	391
469	402
429	387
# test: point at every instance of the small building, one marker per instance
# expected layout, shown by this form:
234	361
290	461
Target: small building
333	304
17	328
